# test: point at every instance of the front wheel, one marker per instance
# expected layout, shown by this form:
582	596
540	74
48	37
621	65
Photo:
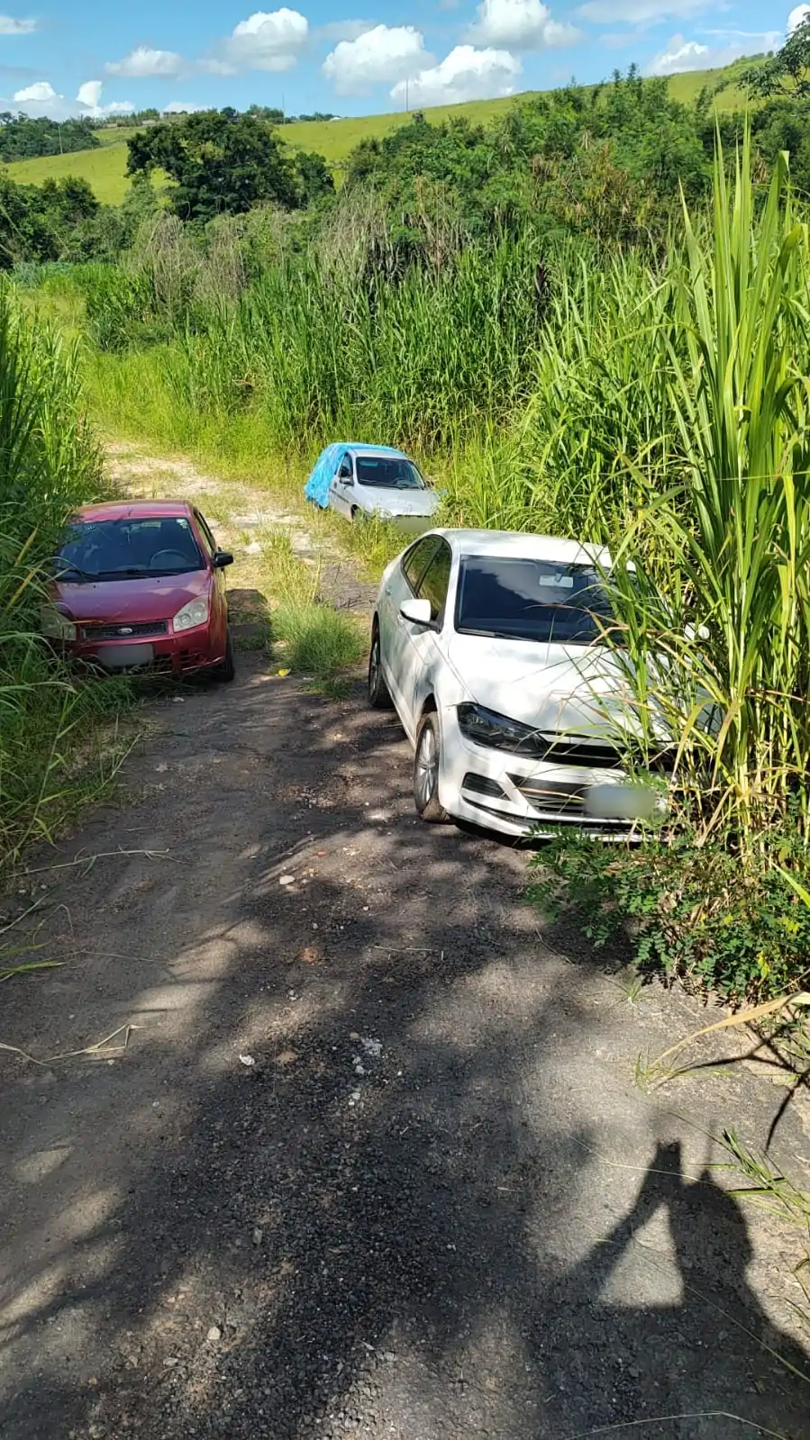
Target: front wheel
226	672
426	771
378	695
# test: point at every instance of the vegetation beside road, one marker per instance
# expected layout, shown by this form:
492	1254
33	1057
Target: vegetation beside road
50	761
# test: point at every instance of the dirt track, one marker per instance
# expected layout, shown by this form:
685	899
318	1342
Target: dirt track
433	1206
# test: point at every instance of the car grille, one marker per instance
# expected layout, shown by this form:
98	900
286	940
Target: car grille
136	631
551	796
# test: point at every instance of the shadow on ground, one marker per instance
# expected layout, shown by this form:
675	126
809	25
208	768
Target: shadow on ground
372	1164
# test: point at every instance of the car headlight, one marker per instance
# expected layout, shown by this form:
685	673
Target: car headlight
54	626
194	613
487	727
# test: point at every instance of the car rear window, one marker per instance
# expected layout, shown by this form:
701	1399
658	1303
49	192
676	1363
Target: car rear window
524	599
128	549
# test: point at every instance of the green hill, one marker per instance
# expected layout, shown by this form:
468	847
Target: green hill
105	166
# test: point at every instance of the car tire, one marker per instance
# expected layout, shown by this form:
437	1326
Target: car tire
426	762
355	513
378	694
226	672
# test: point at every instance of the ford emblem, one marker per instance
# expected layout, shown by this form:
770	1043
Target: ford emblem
125	630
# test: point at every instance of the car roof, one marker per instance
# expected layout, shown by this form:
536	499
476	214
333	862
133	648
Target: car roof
523	544
377	452
134	510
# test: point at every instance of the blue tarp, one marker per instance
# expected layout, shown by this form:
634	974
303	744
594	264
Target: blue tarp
328	463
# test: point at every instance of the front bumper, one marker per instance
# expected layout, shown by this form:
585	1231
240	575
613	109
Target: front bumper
182	654
519	795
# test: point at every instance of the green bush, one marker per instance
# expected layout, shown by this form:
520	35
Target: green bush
699	913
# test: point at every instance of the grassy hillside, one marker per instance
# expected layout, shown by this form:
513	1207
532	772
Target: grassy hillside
105	168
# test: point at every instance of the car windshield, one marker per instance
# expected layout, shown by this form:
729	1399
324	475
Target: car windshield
127	549
522	599
388	470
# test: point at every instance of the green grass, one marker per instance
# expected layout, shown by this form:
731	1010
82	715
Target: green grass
105	166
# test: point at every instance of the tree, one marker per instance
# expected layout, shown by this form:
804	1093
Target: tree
787	71
221	163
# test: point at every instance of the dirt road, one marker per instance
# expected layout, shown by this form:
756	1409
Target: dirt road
372	1162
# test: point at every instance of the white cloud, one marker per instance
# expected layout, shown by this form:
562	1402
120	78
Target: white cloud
520	25
681	54
183	107
796	16
89	98
344	29
604	12
267	40
143	63
382	54
40	92
464	74
10	26
90	94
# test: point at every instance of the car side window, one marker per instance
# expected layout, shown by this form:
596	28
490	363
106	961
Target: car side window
345	471
210	542
435	582
415	562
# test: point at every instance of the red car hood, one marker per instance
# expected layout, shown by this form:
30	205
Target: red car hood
157	598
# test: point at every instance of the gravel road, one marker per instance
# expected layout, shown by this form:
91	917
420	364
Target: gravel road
372	1162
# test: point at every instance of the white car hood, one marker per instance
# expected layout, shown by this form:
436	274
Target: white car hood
399	502
567	689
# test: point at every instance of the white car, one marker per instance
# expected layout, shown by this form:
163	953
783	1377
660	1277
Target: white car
486	644
380	482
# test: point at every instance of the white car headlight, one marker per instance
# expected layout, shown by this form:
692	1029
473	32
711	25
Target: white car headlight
54	625
194	613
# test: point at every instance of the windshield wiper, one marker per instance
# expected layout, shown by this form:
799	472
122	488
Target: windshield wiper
64	568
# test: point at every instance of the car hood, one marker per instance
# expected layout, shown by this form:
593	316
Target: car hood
156	597
554	688
399	502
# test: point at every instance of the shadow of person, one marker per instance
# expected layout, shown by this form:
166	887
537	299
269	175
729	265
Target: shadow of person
668	1317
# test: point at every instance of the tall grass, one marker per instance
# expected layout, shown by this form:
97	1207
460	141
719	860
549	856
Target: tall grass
722	591
49	462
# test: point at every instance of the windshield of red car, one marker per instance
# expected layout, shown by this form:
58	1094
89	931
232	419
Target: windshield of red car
127	549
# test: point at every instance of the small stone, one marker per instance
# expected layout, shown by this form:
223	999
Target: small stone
257	1236
287	880
171	1360
214	1333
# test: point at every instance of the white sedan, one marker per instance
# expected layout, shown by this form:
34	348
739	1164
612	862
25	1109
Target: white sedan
487	645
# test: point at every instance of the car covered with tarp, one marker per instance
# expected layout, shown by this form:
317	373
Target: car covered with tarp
357	480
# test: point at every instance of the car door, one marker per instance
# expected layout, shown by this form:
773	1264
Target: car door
423	643
402	584
219	600
342	487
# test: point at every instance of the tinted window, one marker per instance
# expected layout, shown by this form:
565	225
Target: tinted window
417	558
128	548
388	470
436	580
345	471
530	600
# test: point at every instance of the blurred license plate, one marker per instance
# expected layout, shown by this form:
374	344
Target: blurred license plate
619	802
125	657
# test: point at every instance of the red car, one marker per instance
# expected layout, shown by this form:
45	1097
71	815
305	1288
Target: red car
140	586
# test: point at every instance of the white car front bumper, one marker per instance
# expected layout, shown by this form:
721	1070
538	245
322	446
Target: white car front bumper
518	794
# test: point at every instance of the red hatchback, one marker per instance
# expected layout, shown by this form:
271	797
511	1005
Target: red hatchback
139	586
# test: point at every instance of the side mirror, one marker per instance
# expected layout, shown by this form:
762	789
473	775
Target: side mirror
222	558
417	611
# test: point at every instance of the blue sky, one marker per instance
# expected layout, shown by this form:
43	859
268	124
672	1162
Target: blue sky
63	57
